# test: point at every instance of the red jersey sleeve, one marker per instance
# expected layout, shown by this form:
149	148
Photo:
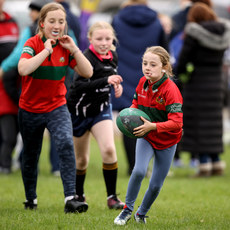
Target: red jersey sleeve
28	50
174	103
73	62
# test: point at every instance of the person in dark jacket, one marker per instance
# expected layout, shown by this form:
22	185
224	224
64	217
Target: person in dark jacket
72	20
206	39
9	34
137	27
176	37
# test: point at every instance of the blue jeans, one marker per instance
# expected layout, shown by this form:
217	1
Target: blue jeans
162	162
32	126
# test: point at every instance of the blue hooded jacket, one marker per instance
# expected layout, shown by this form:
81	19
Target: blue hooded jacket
137	27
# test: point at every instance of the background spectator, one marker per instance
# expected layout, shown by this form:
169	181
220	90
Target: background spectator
176	37
9	34
137	27
206	39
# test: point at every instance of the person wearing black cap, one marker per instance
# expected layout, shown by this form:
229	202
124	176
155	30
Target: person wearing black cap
37	5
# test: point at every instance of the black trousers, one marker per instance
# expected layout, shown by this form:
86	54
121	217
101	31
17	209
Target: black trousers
9	131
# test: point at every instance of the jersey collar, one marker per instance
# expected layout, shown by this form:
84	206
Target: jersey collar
155	85
44	40
110	55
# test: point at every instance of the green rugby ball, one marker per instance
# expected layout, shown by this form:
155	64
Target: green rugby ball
130	118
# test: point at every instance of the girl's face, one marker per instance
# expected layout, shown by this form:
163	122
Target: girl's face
54	24
102	40
152	67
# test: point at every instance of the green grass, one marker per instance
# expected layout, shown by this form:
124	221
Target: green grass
184	202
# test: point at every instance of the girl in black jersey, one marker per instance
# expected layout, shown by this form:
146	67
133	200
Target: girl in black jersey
89	104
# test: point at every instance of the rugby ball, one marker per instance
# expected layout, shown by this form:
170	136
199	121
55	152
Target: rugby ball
130	118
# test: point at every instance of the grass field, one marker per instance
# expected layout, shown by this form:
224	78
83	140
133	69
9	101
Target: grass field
184	202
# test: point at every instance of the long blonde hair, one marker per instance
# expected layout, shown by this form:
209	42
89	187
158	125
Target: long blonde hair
164	57
43	13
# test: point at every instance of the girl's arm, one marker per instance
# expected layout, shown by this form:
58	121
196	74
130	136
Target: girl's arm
27	66
88	86
159	127
83	67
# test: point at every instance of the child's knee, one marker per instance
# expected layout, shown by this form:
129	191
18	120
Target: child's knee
139	172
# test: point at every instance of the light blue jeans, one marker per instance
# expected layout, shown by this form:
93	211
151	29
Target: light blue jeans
161	165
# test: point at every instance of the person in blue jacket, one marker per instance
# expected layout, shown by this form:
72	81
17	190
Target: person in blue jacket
137	27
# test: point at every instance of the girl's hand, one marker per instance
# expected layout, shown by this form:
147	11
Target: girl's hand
48	45
145	128
115	79
118	90
68	43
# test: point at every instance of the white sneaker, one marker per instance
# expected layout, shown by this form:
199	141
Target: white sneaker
123	217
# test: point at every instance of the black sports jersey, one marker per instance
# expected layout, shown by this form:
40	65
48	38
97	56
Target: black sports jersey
88	97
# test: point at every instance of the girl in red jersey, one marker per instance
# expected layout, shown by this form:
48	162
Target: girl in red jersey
158	96
43	63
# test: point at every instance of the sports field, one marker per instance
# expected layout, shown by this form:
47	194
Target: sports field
184	202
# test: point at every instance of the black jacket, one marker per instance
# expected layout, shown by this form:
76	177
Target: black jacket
88	97
204	46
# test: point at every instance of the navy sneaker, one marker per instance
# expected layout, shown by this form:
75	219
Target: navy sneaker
75	206
140	218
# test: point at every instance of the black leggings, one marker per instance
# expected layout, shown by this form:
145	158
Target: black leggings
9	131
